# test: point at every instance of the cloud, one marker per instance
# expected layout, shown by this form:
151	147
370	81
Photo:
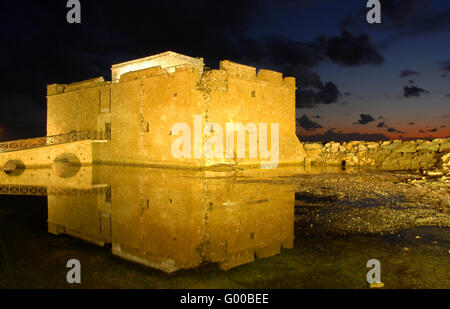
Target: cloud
293	58
317	117
393	130
300	59
446	116
445	66
433	130
382	125
400	12
443	75
443	126
411	123
448	95
327	93
308	124
407	73
413	91
350	50
365	119
331	135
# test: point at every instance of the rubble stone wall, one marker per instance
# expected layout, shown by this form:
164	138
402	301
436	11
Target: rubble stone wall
386	155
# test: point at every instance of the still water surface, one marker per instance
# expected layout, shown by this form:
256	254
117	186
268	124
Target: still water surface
150	228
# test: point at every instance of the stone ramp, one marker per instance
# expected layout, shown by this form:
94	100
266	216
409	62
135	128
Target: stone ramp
80	152
74	147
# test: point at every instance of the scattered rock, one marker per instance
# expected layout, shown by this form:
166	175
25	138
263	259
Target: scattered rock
445	147
406	147
427	145
376	285
313	146
440	140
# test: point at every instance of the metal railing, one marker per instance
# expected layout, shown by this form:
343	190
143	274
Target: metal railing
22	190
45	191
53	140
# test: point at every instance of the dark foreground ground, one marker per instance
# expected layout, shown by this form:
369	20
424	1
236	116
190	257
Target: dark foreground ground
342	221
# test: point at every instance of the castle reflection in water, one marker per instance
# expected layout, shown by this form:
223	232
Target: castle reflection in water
167	219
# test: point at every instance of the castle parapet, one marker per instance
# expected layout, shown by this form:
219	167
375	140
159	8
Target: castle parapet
90	83
55	89
270	76
290	81
238	70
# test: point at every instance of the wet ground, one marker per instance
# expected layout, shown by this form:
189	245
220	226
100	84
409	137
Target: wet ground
370	202
341	222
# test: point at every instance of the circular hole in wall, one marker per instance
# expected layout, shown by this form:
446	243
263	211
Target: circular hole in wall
66	165
14	167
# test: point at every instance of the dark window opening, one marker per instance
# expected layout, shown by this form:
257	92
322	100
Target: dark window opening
108	128
108	196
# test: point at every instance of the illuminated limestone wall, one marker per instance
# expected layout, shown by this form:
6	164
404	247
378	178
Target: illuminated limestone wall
143	112
142	107
76	107
237	93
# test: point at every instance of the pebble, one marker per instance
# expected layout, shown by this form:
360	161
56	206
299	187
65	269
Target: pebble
376	285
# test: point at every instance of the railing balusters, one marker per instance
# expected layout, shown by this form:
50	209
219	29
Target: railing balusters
53	140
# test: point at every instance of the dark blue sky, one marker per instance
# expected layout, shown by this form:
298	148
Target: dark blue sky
348	72
416	39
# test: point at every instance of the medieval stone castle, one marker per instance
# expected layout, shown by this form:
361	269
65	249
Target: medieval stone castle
146	97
